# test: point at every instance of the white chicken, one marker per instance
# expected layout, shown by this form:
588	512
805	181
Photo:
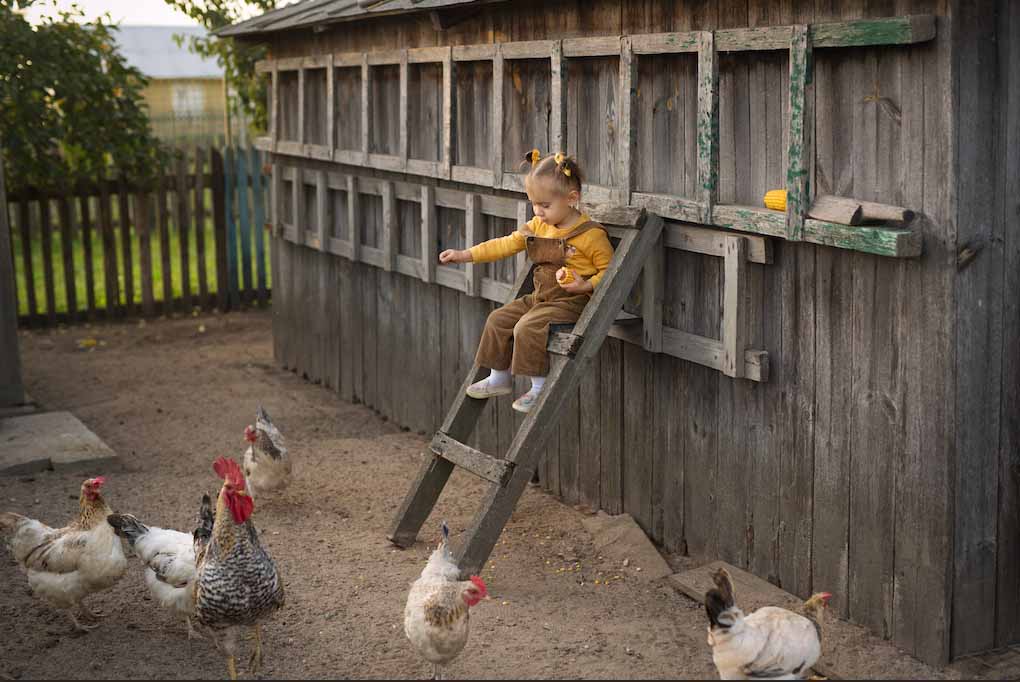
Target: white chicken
770	643
170	557
266	463
436	617
65	565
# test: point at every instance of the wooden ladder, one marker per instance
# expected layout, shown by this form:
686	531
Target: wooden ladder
570	355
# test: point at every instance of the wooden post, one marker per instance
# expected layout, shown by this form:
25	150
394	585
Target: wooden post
735	266
497	117
164	240
799	125
321	211
67	250
402	110
354	217
258	191
274	111
199	223
449	112
523	216
429	234
558	95
220	225
330	124
473	234
302	138
109	248
182	217
12	390
143	219
46	228
84	205
366	119
628	119
25	227
127	250
708	125
389	227
244	226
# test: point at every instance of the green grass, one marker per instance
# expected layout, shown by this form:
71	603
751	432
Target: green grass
78	257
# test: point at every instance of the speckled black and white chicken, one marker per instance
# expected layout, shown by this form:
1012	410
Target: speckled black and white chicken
771	643
436	617
65	565
267	465
170	557
237	584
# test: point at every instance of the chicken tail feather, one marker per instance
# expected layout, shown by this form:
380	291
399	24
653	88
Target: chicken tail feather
724	584
127	527
206	518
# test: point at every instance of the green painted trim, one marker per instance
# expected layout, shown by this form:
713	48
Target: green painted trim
798	182
708	125
892	31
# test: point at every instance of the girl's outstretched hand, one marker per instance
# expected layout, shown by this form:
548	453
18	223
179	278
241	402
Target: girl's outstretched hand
455	256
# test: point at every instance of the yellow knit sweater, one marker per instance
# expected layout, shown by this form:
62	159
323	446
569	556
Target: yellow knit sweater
594	251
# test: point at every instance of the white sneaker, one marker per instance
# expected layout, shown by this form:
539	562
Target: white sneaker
526	401
485	389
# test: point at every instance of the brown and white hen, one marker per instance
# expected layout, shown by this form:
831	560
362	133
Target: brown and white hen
436	617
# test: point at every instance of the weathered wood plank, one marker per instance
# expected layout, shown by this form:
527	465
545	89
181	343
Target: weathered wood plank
67	253
164	240
429	234
182	218
557	98
145	222
733	327
389	227
449	113
478	463
628	120
800	126
473	235
708	126
653	286
219	201
85	209
110	280
200	216
354	217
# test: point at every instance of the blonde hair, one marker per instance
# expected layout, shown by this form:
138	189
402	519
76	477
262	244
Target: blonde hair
559	170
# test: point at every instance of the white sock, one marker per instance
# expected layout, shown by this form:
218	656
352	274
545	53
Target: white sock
537	383
499	377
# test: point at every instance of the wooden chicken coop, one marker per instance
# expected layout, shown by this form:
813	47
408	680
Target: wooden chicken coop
828	405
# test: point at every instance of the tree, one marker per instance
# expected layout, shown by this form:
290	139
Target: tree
237	58
71	108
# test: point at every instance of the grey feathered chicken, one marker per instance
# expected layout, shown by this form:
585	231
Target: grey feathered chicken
267	466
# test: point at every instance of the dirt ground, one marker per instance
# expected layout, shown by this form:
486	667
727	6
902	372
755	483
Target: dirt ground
170	398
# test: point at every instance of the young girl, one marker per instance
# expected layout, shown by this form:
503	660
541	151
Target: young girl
570	252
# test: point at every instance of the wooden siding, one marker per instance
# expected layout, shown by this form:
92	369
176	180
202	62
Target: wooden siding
841	471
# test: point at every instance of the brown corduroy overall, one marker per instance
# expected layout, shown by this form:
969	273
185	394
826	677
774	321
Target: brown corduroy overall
516	334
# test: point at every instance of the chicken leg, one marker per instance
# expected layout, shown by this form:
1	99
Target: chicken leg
255	664
80	627
231	668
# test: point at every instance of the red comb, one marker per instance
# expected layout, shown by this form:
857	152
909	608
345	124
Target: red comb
249	434
480	584
98	481
228	470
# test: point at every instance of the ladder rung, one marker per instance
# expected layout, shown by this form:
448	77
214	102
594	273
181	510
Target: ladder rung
477	462
564	343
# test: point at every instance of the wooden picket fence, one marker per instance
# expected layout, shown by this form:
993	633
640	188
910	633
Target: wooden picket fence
112	248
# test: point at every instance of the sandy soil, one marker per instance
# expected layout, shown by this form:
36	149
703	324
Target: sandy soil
170	399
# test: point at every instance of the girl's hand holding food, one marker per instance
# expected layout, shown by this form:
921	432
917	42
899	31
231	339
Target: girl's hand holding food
573	283
455	256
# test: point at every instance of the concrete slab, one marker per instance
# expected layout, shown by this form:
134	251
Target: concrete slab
52	440
621	538
849	652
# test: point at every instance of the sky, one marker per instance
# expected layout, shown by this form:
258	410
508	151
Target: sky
127	12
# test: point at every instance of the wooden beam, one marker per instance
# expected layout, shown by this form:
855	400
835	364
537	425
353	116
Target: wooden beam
274	111
389	226
385	58
474	231
890	215
628	119
321	211
558	96
892	31
474	53
713	242
708	125
735	267
429	234
800	123
449	112
479	464
301	109
530	49
366	93
653	293
354	217
709	352
426	55
599	46
497	116
297	194
666	43
402	112
330	109
523	216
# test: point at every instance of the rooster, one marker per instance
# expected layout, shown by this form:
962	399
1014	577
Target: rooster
170	557
437	611
266	464
770	643
236	583
65	565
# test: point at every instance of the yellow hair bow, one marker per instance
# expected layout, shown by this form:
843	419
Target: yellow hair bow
534	156
560	159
